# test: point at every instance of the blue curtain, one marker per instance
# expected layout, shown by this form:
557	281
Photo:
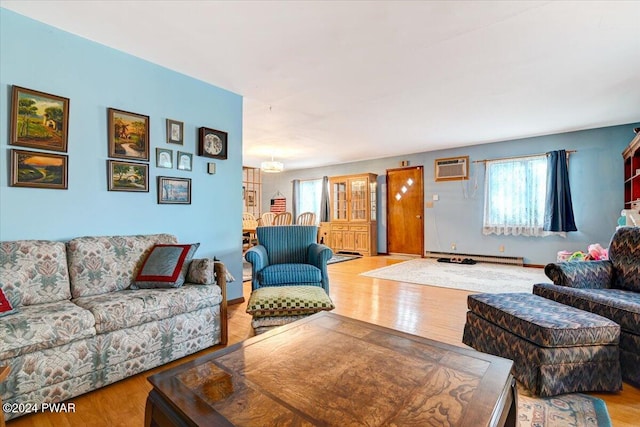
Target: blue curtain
325	213
558	214
295	200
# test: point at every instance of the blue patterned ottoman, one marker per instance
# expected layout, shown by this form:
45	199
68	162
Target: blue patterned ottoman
555	348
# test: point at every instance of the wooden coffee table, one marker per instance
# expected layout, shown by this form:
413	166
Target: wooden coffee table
332	370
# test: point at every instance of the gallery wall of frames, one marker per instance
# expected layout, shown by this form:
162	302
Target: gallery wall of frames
41	120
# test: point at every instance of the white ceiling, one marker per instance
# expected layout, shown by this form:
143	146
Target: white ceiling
328	82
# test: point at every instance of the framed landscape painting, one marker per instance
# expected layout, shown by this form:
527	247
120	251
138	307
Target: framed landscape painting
39	120
128	135
39	170
127	176
174	190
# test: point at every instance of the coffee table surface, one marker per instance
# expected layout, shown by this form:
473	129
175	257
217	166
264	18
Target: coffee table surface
332	370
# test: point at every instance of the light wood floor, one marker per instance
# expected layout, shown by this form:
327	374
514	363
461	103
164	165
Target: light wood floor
431	312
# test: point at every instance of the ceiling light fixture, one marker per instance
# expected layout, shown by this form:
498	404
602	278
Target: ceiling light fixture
271	166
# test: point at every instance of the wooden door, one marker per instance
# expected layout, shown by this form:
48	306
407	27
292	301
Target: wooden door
405	211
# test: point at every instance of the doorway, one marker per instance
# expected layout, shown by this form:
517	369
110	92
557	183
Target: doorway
405	211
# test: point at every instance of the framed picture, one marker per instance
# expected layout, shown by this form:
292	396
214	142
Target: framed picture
164	158
39	170
175	132
39	120
127	176
128	135
173	190
185	161
251	198
212	143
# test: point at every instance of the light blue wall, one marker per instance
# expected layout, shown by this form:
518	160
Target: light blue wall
95	77
596	175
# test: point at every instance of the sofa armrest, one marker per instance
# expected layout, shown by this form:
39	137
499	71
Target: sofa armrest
221	275
318	255
581	274
257	256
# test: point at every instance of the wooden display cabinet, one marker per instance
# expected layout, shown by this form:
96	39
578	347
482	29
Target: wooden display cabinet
354	214
631	157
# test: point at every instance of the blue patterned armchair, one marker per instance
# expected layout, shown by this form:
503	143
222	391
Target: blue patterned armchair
608	288
288	255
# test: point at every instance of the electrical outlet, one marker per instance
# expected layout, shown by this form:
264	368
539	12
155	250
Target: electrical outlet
501	248
453	246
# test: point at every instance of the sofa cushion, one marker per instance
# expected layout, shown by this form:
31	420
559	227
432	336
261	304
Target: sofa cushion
542	321
278	274
98	265
42	326
129	308
623	307
34	272
288	301
165	267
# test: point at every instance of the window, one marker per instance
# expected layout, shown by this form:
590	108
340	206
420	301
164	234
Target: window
310	194
515	192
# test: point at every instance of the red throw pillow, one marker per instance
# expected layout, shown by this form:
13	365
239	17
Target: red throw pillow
165	266
5	305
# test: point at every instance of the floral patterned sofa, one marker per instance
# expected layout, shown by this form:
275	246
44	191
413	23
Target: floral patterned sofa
77	325
609	288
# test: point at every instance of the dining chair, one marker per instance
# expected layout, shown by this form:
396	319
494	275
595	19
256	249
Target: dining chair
249	225
267	218
283	218
306	218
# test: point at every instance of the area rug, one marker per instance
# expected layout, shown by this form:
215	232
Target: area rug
481	277
342	257
578	410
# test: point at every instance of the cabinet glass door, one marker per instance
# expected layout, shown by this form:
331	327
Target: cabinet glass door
358	199
339	195
373	200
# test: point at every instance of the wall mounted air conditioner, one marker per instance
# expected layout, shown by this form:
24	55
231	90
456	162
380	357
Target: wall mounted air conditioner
452	168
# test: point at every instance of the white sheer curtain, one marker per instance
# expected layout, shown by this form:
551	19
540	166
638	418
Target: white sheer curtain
515	191
310	195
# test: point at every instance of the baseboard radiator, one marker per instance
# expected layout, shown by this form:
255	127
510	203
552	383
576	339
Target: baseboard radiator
510	260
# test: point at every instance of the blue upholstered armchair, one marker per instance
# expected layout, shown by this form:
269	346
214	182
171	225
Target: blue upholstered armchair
288	255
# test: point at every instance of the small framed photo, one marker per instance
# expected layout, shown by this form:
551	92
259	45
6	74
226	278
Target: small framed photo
39	170
39	120
128	135
174	191
212	143
164	158
184	161
127	176
175	132
251	198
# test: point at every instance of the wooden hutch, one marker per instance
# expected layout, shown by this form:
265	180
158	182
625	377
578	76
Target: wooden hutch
353	226
631	157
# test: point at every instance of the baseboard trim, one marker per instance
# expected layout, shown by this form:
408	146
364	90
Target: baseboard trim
533	265
235	301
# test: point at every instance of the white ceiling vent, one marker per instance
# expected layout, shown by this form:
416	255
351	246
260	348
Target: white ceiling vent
452	168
